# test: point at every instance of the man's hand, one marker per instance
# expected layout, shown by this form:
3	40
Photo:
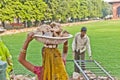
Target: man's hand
90	57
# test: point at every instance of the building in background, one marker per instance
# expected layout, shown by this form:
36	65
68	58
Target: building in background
115	8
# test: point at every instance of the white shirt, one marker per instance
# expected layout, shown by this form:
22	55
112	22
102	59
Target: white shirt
81	43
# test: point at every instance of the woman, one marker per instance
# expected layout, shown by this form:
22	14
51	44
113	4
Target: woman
53	63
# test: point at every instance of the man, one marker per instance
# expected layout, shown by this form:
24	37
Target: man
6	57
80	43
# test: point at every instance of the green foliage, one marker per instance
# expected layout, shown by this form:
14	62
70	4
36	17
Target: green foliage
74	8
55	10
94	9
106	9
25	10
84	8
6	12
36	9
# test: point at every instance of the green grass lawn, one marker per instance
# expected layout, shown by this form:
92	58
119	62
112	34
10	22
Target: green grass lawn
105	44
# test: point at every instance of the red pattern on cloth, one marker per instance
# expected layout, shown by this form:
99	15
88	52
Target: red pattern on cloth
38	71
64	61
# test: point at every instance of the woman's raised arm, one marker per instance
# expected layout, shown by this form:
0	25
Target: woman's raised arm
22	56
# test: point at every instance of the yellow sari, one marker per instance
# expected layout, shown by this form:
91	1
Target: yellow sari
54	68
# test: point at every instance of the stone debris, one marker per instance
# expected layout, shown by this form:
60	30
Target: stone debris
22	77
76	75
91	76
52	30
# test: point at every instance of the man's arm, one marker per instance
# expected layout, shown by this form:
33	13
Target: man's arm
74	43
89	48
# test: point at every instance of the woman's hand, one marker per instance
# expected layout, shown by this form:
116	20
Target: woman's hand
30	36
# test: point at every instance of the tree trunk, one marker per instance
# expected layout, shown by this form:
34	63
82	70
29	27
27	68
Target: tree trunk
36	23
25	23
29	23
3	24
18	20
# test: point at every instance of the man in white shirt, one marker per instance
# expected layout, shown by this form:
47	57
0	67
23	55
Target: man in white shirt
80	43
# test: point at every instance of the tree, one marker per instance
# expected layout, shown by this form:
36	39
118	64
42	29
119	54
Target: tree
74	9
84	8
58	9
106	9
54	10
35	9
6	12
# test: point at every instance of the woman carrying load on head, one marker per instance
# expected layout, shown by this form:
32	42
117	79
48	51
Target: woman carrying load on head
53	67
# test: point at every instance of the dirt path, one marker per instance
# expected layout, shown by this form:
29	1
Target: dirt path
14	31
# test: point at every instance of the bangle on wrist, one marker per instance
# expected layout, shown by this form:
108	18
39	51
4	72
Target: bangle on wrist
23	51
65	45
